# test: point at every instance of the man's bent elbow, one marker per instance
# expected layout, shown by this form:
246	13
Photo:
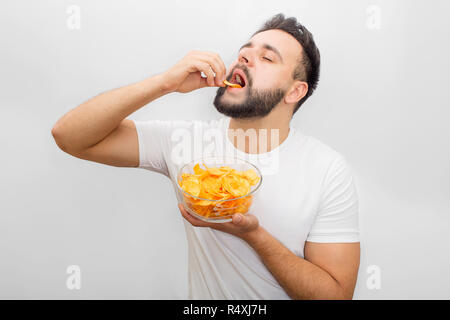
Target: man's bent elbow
58	137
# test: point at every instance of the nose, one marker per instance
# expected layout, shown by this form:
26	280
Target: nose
246	59
245	63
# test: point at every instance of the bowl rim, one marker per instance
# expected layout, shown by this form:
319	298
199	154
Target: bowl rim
198	160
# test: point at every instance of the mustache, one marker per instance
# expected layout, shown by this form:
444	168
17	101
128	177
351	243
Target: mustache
244	69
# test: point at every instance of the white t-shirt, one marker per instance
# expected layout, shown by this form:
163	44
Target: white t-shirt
307	194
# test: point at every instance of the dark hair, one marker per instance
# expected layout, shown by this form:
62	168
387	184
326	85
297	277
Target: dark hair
308	66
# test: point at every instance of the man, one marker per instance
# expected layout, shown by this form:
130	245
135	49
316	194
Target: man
301	239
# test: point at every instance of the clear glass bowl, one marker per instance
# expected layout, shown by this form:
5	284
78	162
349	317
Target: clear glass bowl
213	210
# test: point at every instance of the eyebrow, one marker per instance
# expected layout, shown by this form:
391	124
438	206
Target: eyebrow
265	46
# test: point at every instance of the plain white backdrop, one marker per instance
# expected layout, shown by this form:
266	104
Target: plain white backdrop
382	101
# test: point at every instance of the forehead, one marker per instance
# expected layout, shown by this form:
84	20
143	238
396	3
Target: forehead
289	48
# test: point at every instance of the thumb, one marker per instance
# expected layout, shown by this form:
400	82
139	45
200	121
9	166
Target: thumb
238	219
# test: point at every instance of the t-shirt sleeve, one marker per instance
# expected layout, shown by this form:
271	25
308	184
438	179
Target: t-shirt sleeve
153	139
337	217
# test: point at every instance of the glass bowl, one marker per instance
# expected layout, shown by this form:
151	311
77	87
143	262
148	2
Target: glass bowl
214	210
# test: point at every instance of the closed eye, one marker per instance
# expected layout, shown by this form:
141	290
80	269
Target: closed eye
268	59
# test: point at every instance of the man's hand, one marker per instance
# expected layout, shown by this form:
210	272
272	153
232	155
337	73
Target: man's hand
242	225
185	76
328	271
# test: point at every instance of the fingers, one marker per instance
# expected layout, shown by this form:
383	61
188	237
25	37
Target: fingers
200	223
219	68
206	69
239	219
211	62
238	226
245	222
191	219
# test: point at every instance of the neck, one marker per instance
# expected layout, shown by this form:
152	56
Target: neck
258	140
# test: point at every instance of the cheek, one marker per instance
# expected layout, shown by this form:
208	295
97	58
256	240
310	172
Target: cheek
265	80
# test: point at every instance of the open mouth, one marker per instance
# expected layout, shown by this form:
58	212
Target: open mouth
238	78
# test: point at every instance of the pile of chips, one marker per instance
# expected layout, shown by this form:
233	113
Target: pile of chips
220	186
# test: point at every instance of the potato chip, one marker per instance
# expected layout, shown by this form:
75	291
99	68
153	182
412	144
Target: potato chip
198	170
215	171
222	190
251	176
191	185
212	185
236	185
234	85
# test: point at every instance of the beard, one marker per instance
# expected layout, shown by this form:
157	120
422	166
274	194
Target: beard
257	103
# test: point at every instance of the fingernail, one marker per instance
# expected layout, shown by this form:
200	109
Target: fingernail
238	218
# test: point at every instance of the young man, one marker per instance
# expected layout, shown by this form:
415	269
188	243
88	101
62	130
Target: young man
301	240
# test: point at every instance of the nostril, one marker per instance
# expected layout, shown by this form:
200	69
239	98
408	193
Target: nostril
245	59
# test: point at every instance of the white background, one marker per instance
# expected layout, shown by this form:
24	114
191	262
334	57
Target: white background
382	101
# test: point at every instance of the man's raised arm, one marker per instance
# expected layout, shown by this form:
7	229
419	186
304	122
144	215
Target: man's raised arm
97	130
103	117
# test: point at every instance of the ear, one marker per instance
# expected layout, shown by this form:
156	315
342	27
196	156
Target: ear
297	91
